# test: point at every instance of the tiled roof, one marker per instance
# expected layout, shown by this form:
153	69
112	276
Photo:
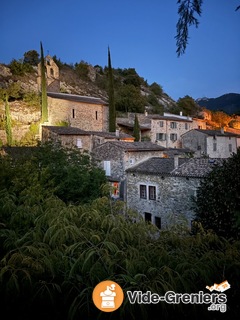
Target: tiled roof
130	124
194	167
65	130
197	167
171	118
216	133
77	98
137	146
61	130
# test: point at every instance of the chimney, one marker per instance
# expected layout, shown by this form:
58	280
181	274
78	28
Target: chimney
117	133
176	163
180	113
146	113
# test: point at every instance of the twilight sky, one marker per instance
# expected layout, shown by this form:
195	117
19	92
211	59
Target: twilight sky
140	35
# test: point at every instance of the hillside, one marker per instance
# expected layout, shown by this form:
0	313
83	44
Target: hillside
87	80
228	103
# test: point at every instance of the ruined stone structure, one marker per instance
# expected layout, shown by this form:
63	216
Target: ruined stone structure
52	75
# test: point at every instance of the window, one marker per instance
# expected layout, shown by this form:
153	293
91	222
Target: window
230	148
173	136
148	216
199	147
173	125
79	143
158	222
52	72
143	191
96	115
132	161
214	146
107	167
161	123
152	193
160	136
186	126
73	113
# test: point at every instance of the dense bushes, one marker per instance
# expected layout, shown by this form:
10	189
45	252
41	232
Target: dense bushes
54	252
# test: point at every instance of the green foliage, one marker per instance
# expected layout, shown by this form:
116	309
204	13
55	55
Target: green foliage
31	57
111	99
217	202
186	11
136	129
54	254
188	106
32	99
58	62
69	175
12	92
156	89
156	106
29	139
129	99
82	70
62	124
19	67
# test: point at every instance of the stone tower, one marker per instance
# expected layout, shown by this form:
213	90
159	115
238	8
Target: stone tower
52	75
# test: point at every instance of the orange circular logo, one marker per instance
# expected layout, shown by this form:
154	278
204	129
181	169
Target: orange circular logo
107	296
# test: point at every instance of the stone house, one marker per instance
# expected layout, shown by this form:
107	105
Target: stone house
86	113
84	140
161	189
211	143
164	130
117	156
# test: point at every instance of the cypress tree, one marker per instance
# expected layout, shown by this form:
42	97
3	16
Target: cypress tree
44	116
8	122
136	129
112	110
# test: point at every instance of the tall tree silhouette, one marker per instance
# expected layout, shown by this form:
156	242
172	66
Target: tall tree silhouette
112	109
44	116
136	129
8	123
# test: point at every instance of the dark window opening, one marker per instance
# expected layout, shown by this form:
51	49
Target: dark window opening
143	191
148	216
73	113
158	222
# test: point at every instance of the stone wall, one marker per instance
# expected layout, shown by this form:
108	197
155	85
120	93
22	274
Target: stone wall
181	127
89	117
222	146
173	197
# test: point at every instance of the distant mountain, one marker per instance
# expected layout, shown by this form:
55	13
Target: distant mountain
228	103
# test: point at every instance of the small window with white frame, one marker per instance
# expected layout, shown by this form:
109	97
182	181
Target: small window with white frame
173	125
152	192
173	136
161	123
79	143
161	136
107	167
